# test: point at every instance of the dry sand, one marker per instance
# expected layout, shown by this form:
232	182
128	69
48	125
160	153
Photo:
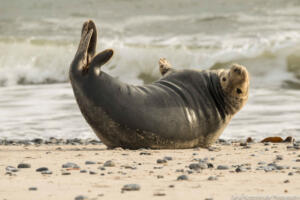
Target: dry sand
156	180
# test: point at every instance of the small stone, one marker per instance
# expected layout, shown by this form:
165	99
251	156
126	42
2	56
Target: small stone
161	161
70	165
182	178
145	153
279	157
131	187
168	158
81	197
210	165
83	171
290	173
11	169
109	163
194	166
159	194
90	162
222	167
46	172
171	186
261	163
212	178
298	160
66	173
240	169
160	176
24	165
243	144
41	169
92	172
286	181
278	167
32	189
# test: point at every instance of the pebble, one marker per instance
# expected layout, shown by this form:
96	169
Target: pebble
160	176
290	173
92	172
161	161
182	178
279	157
109	163
70	165
81	197
90	162
145	153
32	188
46	172
159	194
240	169
41	169
83	171
286	181
212	178
66	173
24	165
11	169
131	187
168	158
222	167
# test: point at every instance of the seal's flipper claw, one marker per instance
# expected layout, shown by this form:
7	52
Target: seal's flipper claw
164	66
100	59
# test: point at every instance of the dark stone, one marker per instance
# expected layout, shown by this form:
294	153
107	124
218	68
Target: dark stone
81	197
131	187
222	167
41	169
109	163
90	162
70	165
182	178
161	161
212	178
32	189
24	165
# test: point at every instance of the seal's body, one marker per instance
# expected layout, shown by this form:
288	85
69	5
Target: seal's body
183	109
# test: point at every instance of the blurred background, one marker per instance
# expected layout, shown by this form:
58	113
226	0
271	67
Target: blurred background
38	39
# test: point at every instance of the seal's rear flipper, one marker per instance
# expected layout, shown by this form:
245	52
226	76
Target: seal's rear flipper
100	59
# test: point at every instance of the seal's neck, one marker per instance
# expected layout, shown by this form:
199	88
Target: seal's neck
222	102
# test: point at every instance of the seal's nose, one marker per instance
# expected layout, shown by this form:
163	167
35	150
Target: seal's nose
239	70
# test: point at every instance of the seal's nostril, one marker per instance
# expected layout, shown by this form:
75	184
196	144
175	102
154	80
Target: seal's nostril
237	70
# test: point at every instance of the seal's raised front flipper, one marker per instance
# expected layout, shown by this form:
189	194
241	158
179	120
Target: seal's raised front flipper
164	66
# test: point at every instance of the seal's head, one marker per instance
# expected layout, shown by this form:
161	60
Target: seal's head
235	85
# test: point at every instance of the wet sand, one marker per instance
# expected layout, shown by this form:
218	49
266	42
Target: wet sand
226	171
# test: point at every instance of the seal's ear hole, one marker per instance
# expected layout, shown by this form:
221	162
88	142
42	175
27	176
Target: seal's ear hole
224	79
238	90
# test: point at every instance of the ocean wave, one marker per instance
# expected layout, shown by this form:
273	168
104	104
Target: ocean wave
39	61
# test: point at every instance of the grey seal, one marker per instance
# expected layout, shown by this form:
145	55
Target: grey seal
183	109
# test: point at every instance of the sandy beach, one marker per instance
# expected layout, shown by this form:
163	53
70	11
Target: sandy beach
228	170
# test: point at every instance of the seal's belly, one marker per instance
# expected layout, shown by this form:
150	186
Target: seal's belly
154	113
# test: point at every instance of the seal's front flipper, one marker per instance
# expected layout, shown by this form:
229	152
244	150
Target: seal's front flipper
164	66
100	59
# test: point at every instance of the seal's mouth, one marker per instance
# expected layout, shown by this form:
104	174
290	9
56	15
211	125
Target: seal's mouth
87	46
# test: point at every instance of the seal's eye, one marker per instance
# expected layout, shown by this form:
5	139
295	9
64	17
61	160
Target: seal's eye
223	79
238	90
